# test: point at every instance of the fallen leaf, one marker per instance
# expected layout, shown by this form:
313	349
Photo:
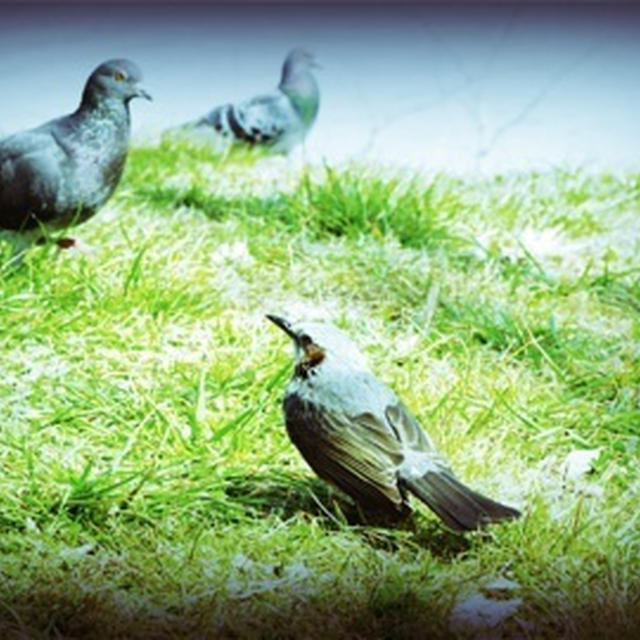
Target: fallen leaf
578	463
479	613
499	587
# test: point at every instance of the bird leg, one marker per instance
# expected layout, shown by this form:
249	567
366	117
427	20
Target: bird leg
75	245
67	243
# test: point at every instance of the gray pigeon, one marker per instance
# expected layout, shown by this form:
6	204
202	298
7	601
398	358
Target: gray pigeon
278	120
59	174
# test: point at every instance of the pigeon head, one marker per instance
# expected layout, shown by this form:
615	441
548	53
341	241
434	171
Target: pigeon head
298	61
300	85
317	343
116	80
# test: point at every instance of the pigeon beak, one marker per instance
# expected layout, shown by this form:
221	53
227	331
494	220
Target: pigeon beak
316	65
283	324
141	93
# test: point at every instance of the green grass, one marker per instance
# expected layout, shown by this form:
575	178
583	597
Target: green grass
148	488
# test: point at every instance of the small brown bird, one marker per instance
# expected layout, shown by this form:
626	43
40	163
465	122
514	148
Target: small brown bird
357	435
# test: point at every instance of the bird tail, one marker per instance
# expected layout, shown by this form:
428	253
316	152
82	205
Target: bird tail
460	508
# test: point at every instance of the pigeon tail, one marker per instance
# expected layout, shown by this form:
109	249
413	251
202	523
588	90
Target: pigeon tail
460	508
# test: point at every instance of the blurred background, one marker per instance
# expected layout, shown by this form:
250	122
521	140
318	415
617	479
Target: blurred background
437	87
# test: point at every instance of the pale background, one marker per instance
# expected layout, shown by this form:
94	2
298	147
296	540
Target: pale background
438	87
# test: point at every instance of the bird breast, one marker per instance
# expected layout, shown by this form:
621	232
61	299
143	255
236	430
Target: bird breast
98	162
343	390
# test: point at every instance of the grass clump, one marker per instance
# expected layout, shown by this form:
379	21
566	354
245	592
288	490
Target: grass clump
148	486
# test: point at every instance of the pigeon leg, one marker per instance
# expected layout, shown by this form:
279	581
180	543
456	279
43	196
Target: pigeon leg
74	244
66	243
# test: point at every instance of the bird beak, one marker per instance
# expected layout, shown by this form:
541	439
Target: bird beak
285	325
141	93
316	65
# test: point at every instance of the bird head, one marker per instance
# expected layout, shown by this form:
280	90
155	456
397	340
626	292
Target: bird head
317	344
117	79
298	61
300	85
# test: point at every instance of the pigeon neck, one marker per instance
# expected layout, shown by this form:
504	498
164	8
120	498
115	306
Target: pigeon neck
104	107
302	89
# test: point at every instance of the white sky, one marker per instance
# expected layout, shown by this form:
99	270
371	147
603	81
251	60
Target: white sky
434	87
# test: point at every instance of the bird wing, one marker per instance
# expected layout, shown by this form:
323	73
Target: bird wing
25	144
426	473
30	174
264	119
411	434
359	454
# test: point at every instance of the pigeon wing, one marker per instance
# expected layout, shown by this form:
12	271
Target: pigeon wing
30	178
263	120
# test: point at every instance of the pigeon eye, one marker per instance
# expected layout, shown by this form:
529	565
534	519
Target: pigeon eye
118	76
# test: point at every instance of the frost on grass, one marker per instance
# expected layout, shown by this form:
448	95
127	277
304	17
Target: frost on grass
561	255
559	480
249	578
30	366
579	463
262	179
235	253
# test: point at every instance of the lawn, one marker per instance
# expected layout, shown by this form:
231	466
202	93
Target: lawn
148	487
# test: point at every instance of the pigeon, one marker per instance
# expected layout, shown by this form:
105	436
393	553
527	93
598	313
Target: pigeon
279	120
60	173
356	434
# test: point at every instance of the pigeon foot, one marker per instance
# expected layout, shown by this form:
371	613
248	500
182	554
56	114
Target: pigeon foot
74	245
66	243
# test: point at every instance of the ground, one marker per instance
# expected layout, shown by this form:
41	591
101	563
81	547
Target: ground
148	488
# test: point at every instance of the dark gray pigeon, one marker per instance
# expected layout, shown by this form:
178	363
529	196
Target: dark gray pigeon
278	120
59	174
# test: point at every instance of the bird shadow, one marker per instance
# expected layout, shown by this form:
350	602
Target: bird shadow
290	495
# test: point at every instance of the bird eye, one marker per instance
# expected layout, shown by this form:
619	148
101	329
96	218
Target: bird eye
118	76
